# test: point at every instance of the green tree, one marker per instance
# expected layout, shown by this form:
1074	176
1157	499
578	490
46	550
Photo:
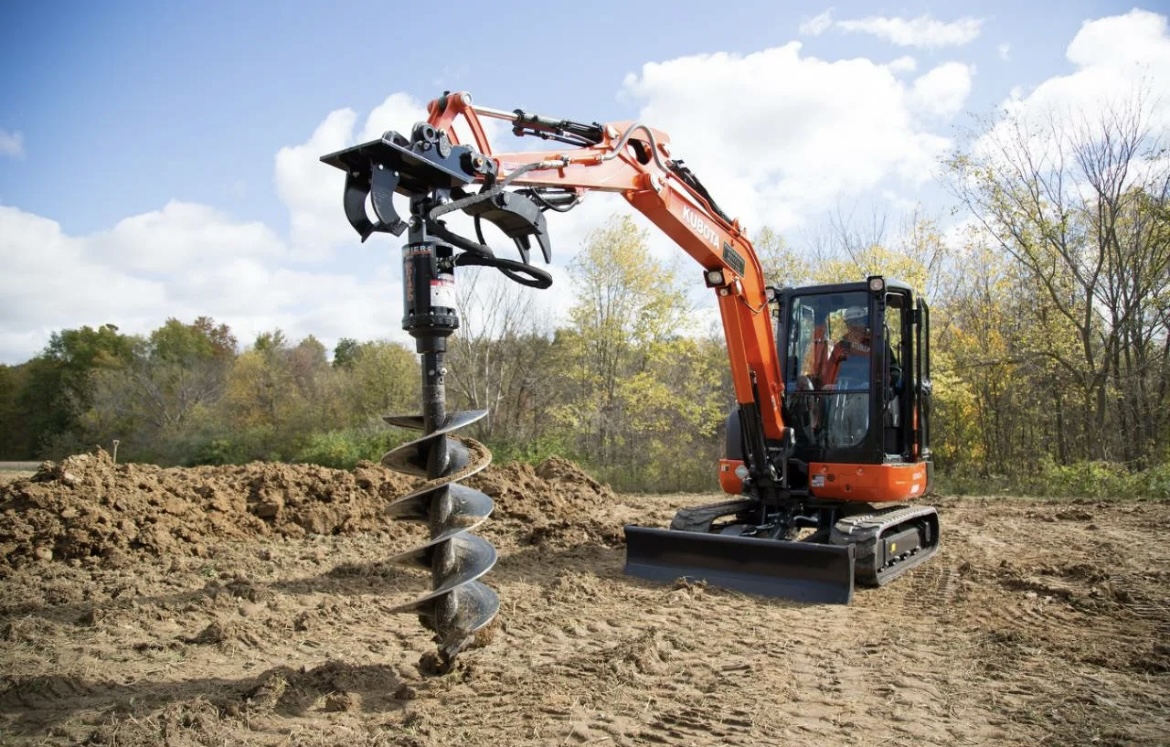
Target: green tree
783	266
58	387
345	352
14	434
675	407
630	310
277	396
157	404
380	378
494	358
1079	207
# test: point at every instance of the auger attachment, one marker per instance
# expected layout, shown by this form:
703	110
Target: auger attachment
433	174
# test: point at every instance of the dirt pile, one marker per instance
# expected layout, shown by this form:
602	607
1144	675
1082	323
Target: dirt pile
554	503
91	509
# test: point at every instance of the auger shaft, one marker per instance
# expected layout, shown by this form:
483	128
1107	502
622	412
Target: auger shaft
434	390
442	508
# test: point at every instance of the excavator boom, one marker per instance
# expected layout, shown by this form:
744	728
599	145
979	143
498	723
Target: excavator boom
634	160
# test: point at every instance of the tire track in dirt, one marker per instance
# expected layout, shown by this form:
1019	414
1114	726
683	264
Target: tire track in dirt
1035	600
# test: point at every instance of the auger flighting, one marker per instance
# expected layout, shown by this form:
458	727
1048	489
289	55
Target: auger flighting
432	172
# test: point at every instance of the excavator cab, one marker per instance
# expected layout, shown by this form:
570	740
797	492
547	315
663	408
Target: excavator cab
856	363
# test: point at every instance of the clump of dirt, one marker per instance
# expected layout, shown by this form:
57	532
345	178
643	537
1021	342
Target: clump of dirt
333	686
88	508
554	503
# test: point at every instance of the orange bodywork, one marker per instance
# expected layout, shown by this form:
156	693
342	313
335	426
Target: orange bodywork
632	160
730	482
865	483
869	483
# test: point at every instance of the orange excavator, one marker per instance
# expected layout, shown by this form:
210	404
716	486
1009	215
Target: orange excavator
829	435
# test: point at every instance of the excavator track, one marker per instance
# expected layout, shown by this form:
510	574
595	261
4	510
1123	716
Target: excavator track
888	542
700	518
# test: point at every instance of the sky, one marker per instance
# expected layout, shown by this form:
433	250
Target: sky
160	160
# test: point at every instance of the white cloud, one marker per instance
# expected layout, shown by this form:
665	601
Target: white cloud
11	144
923	31
818	24
904	64
1118	76
183	261
398	112
1137	38
805	133
180	236
312	191
943	90
809	132
1116	59
52	280
1005	51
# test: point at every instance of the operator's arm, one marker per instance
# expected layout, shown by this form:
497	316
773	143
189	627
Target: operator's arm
815	361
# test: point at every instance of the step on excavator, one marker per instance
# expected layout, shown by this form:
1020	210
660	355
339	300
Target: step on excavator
829	436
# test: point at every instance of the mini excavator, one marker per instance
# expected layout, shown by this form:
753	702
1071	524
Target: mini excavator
829	436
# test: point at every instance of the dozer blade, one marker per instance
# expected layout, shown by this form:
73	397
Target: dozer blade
805	572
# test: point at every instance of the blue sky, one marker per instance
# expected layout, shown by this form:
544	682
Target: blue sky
141	143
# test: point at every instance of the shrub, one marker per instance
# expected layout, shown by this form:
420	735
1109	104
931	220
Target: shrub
530	451
1089	479
343	449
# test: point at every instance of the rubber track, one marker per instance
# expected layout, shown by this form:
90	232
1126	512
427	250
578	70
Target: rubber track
700	518
864	532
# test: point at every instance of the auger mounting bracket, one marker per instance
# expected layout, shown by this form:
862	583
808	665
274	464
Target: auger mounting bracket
427	164
414	167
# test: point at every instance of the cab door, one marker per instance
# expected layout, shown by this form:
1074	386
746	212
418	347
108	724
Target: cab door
922	385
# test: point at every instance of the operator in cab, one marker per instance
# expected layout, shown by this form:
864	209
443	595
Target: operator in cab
847	365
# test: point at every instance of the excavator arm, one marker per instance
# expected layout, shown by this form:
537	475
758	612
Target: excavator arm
634	160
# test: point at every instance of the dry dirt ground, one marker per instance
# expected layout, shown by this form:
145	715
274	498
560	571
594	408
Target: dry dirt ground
248	605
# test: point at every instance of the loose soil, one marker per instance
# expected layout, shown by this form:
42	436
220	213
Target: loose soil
249	605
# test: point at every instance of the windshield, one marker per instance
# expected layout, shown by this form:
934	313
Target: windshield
828	368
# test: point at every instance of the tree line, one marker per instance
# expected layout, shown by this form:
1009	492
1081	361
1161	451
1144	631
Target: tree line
1050	342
